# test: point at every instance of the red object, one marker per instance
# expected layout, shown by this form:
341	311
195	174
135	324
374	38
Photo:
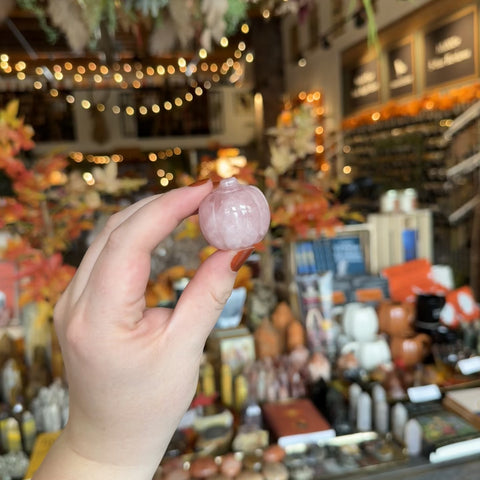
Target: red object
460	307
296	421
409	279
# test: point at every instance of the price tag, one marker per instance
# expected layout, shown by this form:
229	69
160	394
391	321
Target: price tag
469	365
424	393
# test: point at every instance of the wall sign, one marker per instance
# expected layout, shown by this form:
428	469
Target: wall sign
400	70
451	51
362	86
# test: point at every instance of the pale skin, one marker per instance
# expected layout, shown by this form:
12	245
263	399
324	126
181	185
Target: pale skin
132	372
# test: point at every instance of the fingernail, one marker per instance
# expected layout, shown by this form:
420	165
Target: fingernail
240	258
199	182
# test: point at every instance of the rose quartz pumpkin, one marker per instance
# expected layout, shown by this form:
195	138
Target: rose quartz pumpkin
234	216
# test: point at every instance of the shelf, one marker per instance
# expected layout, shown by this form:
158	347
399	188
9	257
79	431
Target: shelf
462	120
465	166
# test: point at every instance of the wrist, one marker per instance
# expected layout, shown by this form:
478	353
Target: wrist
63	462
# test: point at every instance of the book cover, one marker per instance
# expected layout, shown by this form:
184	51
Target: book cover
447	435
348	255
464	402
296	421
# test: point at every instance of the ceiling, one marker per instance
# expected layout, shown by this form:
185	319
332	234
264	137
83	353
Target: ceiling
23	38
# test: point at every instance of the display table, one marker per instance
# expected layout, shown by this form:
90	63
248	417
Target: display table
420	469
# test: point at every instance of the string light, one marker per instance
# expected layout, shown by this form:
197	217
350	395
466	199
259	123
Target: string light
95	75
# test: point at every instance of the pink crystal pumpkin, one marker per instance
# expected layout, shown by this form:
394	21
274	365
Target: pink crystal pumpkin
234	216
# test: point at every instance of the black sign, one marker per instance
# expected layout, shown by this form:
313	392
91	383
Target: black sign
400	71
361	86
450	51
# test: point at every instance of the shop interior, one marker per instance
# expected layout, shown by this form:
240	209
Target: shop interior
350	346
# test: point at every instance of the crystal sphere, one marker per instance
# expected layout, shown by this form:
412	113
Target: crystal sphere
234	216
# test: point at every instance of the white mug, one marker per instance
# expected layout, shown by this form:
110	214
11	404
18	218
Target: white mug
369	355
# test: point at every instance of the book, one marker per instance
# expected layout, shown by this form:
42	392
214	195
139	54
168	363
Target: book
296	421
446	435
464	402
348	255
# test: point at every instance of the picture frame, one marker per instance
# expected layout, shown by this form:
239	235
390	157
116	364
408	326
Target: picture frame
237	352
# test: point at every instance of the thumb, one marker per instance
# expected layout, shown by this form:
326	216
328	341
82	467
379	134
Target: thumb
203	299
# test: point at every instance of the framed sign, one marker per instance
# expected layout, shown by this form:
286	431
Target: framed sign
361	87
451	50
401	80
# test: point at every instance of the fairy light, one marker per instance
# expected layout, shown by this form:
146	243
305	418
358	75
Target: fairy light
152	157
88	178
93	74
245	28
54	92
249	57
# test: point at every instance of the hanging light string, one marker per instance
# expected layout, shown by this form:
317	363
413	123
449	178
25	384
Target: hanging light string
197	75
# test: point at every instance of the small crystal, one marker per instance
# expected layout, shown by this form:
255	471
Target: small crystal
234	216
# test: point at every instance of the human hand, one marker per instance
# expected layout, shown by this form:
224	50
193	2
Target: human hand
131	371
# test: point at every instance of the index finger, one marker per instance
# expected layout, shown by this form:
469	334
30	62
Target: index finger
121	271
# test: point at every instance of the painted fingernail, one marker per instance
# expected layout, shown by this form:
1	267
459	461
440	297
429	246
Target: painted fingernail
240	258
199	182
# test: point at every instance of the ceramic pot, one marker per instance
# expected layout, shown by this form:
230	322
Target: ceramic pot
360	322
396	319
410	351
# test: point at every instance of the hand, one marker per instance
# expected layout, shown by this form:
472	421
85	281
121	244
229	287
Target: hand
131	371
